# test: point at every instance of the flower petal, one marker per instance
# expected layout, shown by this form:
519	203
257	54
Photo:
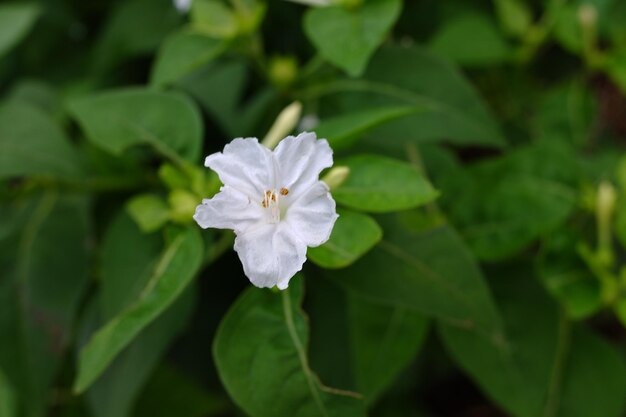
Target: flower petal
300	160
271	254
312	215
229	209
246	165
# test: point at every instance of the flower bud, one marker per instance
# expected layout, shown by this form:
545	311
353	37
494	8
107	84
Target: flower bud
336	177
286	121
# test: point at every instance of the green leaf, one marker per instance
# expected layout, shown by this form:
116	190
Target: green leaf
149	211
503	205
380	184
173	273
514	15
429	271
348	37
343	131
181	54
353	235
471	40
384	341
271	377
8	402
413	76
550	368
213	18
128	259
168	122
31	144
220	89
40	292
16	20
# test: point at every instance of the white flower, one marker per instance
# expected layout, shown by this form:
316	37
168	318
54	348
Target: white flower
182	6
275	203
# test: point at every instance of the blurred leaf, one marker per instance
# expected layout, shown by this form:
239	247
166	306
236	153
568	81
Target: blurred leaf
401	76
181	54
135	27
176	268
149	211
353	235
471	40
380	184
348	37
431	272
213	18
515	16
220	89
549	368
343	131
16	20
168	122
31	144
171	392
384	341
271	376
566	113
8	403
503	205
40	292
566	276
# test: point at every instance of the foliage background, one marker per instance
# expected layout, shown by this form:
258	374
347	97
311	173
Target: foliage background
477	266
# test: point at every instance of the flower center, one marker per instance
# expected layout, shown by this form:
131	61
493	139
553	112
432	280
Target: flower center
271	201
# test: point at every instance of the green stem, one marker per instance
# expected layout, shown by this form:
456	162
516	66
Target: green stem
291	327
555	388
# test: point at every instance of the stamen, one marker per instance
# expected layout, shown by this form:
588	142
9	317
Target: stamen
284	191
270	200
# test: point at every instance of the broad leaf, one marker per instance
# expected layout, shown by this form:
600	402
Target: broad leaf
471	40
550	368
16	20
431	272
182	54
176	268
380	184
31	144
353	235
402	76
384	341
271	377
117	120
348	37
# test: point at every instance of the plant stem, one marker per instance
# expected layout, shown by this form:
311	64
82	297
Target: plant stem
553	399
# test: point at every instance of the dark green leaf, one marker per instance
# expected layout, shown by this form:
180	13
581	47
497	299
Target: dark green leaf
380	184
401	76
431	272
384	340
550	368
271	377
353	235
348	37
39	294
